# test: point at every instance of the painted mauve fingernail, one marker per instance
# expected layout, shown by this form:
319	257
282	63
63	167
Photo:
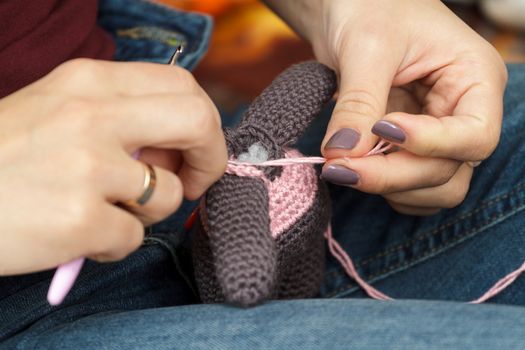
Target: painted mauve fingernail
339	175
343	139
389	131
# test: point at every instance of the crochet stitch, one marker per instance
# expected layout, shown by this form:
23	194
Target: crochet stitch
261	236
261	227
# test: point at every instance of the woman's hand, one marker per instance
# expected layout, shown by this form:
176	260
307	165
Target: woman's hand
65	161
413	73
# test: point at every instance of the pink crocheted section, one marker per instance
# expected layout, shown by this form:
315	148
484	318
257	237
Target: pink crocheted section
290	195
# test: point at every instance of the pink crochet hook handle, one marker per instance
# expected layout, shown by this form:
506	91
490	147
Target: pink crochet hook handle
63	281
66	275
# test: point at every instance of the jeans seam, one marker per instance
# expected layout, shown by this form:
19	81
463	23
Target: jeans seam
443	247
436	230
175	259
468	234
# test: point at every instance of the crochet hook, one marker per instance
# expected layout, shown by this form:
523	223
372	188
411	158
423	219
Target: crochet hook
66	274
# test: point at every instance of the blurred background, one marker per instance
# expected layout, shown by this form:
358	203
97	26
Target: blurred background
250	45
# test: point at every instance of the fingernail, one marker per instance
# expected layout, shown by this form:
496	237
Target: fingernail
339	175
343	139
389	131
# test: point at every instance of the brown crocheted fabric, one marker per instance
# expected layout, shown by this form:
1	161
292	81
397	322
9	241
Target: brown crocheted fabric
237	257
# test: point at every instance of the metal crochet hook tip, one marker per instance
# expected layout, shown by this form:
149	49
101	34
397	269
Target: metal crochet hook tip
176	54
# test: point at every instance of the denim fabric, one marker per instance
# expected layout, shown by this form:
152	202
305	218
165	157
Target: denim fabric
146	31
318	324
455	255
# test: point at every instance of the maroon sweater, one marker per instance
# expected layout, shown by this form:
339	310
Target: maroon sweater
38	35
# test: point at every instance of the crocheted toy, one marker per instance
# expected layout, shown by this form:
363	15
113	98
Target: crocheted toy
260	229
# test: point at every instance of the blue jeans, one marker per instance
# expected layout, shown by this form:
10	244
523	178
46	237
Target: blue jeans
148	301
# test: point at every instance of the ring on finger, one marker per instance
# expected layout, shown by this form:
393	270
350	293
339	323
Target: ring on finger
150	180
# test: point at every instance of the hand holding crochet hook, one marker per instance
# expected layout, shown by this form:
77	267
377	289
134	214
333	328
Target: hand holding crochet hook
414	74
192	170
73	185
66	274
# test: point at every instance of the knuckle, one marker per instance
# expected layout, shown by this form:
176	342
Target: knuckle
89	168
448	89
493	59
184	78
204	119
124	240
78	64
174	196
218	169
372	38
134	236
428	148
184	75
358	103
74	106
493	137
78	116
446	169
88	165
79	215
487	143
171	199
77	110
457	194
80	71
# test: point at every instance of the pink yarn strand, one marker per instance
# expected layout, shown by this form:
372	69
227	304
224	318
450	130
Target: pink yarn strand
234	165
283	161
349	267
381	147
500	285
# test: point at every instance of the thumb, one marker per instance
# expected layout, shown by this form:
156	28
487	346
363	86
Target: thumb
365	82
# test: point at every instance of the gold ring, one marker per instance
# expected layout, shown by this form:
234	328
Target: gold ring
150	180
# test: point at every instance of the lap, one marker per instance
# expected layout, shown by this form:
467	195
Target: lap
299	324
150	277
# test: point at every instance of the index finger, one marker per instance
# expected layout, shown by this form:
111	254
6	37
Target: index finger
189	123
470	133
